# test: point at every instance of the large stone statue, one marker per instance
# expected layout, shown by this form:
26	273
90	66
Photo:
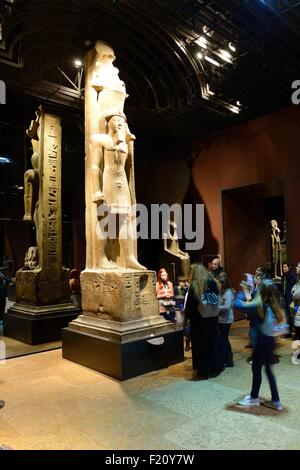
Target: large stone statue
276	249
42	293
31	177
120	308
109	155
112	167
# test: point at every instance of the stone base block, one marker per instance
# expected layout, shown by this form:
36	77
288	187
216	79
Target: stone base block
42	288
36	325
119	295
122	360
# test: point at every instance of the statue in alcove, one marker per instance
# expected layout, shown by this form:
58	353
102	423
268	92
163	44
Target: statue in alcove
173	254
277	245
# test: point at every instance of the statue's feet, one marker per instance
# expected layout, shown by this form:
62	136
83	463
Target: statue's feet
106	264
27	218
133	263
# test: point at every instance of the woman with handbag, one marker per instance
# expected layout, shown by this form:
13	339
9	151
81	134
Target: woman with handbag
202	308
165	295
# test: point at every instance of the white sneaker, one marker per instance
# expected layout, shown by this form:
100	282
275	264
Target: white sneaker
249	401
275	405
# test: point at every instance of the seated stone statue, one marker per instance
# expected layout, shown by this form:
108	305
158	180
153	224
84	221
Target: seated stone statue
171	244
173	254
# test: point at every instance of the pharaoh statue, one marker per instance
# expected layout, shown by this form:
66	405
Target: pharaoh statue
111	168
31	177
276	249
110	193
120	311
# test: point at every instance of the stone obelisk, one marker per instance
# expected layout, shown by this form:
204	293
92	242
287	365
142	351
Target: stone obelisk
120	332
43	304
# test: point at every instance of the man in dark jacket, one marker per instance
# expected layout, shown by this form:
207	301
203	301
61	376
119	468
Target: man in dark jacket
216	267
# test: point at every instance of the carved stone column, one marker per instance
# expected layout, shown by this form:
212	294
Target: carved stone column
43	305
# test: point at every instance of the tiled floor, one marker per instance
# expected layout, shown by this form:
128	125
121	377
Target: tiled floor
55	404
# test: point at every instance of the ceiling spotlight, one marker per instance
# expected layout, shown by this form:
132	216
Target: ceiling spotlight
224	55
234	109
212	61
201	41
231	46
200	55
238	103
77	63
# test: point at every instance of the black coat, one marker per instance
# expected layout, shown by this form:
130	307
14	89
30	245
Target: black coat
287	282
206	347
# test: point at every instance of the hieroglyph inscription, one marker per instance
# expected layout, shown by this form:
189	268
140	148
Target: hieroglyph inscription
52	181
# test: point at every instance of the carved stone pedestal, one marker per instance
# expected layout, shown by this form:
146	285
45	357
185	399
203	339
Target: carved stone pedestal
36	325
121	333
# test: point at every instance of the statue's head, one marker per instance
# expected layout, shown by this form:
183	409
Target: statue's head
32	132
116	121
104	51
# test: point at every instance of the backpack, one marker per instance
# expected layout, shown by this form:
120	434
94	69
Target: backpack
208	305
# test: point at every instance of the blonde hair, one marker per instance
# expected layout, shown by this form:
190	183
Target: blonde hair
199	278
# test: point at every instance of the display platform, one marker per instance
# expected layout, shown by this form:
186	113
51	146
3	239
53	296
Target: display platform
123	360
36	325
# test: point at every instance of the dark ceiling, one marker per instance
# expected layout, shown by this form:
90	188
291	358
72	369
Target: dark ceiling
170	87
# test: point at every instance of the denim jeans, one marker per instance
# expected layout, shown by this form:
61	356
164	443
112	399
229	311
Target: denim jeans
262	355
